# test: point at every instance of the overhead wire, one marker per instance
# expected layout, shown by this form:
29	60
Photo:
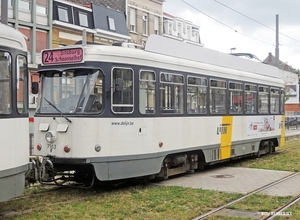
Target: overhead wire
255	20
225	24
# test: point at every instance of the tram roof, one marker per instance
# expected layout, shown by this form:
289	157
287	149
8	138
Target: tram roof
167	46
208	60
10	37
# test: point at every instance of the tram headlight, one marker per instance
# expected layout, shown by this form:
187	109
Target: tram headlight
50	136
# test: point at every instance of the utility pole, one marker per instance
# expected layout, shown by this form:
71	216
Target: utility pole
277	44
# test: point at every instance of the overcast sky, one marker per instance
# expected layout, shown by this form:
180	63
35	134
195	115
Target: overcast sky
247	25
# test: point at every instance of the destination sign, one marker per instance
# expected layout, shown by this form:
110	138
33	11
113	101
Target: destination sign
73	55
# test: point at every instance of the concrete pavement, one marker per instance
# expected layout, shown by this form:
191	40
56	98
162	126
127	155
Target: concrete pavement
239	180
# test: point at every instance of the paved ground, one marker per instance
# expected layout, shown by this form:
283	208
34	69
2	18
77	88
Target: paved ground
239	180
292	132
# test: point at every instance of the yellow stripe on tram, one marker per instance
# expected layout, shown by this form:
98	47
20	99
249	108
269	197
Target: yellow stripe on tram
226	137
282	136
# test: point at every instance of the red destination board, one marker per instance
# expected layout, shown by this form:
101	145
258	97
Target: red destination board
73	55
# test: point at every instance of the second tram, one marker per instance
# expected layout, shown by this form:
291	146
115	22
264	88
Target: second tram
14	125
110	112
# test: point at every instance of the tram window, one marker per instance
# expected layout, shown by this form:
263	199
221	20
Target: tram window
22	85
122	90
196	95
5	83
282	101
171	93
217	96
274	101
263	100
72	91
147	92
235	98
250	98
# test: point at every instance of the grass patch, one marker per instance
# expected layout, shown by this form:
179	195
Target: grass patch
137	202
261	203
150	202
286	159
294	210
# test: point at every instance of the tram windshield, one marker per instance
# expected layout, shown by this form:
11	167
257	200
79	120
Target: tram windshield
71	91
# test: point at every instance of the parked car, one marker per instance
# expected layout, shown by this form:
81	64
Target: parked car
291	120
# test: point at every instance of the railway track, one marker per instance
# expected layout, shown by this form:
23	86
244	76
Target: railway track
281	210
265	215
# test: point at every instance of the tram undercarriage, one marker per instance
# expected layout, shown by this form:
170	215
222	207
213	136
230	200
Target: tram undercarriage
66	173
69	175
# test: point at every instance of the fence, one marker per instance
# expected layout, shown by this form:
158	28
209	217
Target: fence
292	122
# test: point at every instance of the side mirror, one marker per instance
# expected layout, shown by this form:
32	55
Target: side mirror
34	87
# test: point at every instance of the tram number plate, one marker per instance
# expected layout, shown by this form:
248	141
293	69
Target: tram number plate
51	146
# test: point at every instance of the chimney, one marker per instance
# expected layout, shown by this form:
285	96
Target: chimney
270	58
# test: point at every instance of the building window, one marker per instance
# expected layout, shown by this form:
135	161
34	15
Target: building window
132	19
41	6
170	29
83	21
193	32
145	24
179	30
111	24
63	14
41	10
156	29
188	32
24	4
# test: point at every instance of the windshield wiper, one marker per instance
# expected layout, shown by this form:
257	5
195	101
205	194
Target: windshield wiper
51	104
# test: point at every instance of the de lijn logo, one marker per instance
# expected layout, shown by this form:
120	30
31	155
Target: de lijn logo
222	129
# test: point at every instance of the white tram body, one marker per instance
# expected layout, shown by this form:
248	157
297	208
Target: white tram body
151	114
14	126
